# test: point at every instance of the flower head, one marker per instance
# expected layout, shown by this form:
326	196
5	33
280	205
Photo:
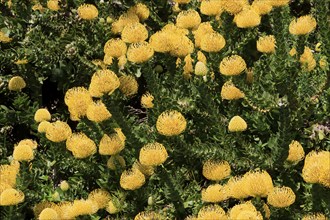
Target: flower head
48	214
146	100
211	7
82	207
134	33
189	19
232	65
296	152
141	10
8	174
97	112
103	82
257	183
31	143
132	179
230	92
245	211
80	145
77	99
281	197
124	19
16	83
237	124
203	29
111	207
23	152
211	212
146	170
11	197
53	5
42	127
247	18
214	170
87	12
307	59
64	185
139	52
235	186
153	154
115	47
261	6
171	123
111	145
115	161
148	215
42	114
58	131
215	193
128	85
201	69
212	42
100	196
4	38
314	216
266	44
302	25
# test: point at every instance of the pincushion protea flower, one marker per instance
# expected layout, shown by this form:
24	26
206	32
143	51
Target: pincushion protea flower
171	123
80	145
115	47
302	25
281	197
153	154
214	170
48	214
189	19
232	65
146	100
237	124
245	211
87	12
11	197
266	44
128	85
42	114
211	212
132	179
296	152
16	83
134	33
100	196
215	193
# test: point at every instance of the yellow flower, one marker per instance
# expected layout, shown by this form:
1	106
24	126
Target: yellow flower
215	193
146	100
103	82
132	179
237	124
181	46
139	52
128	85
8	175
247	18
16	83
23	152
211	212
234	7
21	62
48	214
124	19
114	161
107	59
58	131
148	215
53	5
97	112
318	47
42	127
141	10
77	99
171	123
323	62
83	207
38	7
11	197
111	145
266	210
42	114
203	29
213	170
146	170
245	211
201	69
101	197
153	154
80	145
211	7
31	143
266	44
111	207
212	42
232	65
261	6
87	12
281	197
201	57
293	52
307	59
302	25
314	216
296	152
189	19
134	33
230	92
188	67
64	185
257	183
4	38
115	47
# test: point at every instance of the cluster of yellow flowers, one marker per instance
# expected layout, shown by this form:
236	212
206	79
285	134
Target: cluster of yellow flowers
97	199
316	168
